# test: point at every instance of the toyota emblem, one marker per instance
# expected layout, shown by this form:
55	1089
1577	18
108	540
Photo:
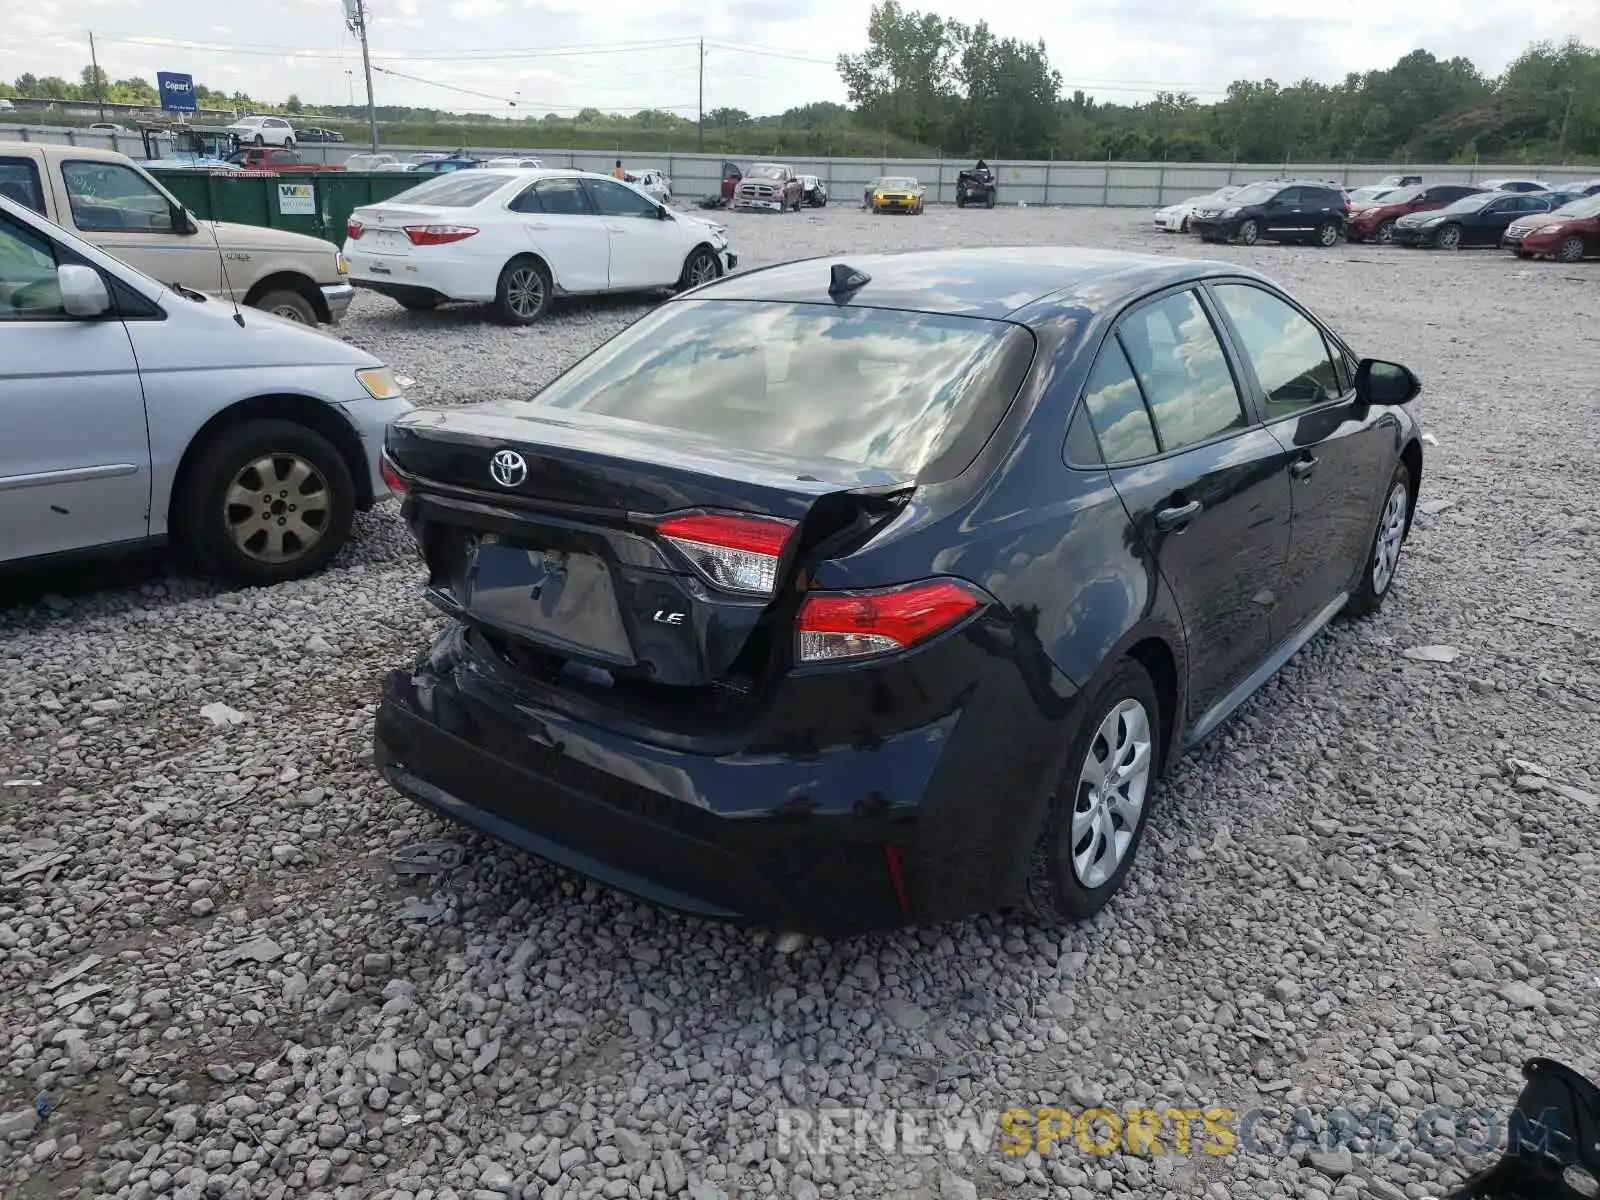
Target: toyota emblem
508	468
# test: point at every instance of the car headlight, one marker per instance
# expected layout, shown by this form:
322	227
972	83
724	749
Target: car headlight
380	383
1230	212
1553	227
1433	221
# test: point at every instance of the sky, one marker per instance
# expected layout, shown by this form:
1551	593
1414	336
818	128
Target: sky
761	55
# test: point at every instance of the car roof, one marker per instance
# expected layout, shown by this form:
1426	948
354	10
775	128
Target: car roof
990	281
54	150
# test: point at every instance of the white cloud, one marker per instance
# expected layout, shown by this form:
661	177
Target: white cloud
1118	50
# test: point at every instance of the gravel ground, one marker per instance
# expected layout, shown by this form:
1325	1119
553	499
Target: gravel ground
1375	888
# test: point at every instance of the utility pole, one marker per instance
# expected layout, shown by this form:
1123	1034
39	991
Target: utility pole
99	91
701	122
356	19
1561	142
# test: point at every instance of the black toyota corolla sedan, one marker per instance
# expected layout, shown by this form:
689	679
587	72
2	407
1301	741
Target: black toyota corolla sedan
847	594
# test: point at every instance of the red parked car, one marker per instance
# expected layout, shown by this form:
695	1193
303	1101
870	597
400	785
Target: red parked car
1375	221
1569	234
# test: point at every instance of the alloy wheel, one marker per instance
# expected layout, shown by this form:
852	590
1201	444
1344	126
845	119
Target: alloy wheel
1111	792
1391	535
290	313
1571	250
1249	232
1449	237
1328	234
1385	234
277	508
525	292
702	270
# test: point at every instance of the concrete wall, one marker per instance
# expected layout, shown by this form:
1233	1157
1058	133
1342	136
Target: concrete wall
1114	184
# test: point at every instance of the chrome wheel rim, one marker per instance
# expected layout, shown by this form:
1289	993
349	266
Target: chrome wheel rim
277	508
525	292
702	270
289	312
1571	250
1111	792
1248	233
1329	235
1391	534
1449	236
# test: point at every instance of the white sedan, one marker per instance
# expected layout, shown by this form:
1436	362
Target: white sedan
1175	217
655	184
517	239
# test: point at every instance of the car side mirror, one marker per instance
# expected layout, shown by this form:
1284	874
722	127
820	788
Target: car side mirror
83	292
183	221
663	213
1379	382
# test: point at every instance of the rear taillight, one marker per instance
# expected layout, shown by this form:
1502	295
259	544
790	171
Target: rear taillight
737	553
438	235
391	475
850	625
352	229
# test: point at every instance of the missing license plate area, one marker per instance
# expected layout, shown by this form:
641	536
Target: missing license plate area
556	600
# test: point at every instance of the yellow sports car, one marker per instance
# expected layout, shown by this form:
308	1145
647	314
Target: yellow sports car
898	193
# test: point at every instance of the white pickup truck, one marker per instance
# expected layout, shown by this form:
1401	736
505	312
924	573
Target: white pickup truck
109	200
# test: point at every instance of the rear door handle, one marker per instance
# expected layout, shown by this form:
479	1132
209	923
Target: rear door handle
615	229
537	225
1302	468
1169	519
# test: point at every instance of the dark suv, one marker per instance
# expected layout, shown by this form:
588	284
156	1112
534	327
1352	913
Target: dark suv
1284	210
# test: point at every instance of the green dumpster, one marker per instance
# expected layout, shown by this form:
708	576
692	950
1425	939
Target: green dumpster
318	203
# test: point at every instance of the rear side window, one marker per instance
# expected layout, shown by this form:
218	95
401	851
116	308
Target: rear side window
908	392
1287	351
1178	361
19	181
563	197
1116	408
527	202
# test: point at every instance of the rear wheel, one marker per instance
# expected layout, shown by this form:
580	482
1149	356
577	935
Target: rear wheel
267	501
1249	232
1449	237
1570	250
989	201
291	306
260	141
1383	559
288	143
522	295
1183	225
1327	234
961	199
1385	234
1097	814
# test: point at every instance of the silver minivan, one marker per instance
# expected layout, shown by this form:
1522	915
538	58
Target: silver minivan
136	413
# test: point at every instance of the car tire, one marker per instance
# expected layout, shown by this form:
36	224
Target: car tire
1570	250
1249	232
257	461
1382	561
1448	237
417	303
522	294
1058	887
1327	235
961	201
700	267
1384	235
1183	226
989	201
288	143
288	304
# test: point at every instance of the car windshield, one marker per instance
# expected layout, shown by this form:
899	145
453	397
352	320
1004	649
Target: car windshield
1472	203
1366	195
1401	195
1588	206
877	388
1255	193
897	183
766	171
453	190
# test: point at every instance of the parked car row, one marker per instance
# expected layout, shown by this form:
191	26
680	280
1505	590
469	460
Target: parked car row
1399	210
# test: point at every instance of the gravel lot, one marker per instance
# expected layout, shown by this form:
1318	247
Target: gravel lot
1352	896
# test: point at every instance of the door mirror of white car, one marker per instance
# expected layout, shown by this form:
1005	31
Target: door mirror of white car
83	292
663	212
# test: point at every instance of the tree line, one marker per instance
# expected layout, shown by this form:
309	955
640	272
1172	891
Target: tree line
926	85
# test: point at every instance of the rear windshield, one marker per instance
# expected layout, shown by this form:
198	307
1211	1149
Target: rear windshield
1256	193
453	190
911	393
